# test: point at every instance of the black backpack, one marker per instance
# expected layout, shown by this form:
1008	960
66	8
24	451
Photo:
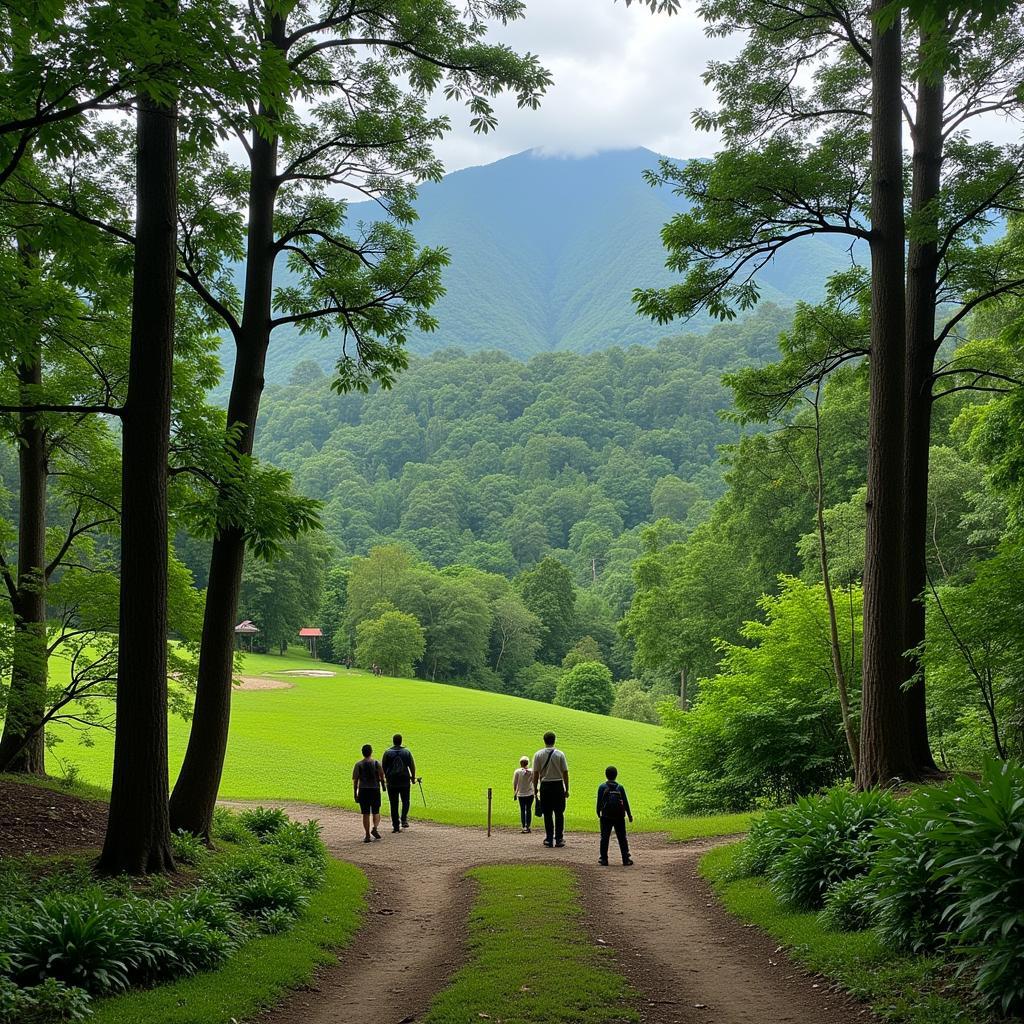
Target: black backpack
397	770
614	807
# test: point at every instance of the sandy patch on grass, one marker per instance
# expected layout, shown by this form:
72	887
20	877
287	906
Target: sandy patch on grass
259	683
311	673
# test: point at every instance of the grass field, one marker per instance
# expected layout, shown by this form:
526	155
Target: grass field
301	743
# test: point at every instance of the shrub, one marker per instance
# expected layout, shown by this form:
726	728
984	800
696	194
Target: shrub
273	922
299	844
849	905
979	831
908	908
85	943
537	682
837	844
228	826
264	821
632	702
270	890
207	907
174	944
50	1002
188	848
587	687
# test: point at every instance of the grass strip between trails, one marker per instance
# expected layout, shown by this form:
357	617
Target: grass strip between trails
529	957
262	972
904	989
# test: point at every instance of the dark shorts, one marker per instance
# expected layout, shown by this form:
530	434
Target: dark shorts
369	801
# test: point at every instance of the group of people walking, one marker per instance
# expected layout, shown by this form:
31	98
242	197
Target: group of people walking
541	788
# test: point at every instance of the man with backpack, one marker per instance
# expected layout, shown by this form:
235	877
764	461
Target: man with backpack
551	787
400	772
613	810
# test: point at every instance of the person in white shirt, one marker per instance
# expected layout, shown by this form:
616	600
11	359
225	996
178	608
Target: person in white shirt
551	786
522	790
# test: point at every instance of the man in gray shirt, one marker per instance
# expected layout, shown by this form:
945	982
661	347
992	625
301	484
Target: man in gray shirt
551	785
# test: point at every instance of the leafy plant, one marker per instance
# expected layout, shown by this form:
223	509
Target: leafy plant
207	907
270	890
188	848
50	1002
228	826
275	921
849	905
264	821
907	897
979	829
86	943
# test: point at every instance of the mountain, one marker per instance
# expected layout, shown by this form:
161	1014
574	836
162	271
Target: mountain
545	254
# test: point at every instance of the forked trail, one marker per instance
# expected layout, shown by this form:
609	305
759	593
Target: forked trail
692	962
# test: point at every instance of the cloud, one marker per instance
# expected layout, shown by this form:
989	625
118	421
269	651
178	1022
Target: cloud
623	77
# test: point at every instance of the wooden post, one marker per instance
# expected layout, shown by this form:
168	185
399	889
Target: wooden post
490	794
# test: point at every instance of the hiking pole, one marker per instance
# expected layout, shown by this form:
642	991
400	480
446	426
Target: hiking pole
422	797
490	792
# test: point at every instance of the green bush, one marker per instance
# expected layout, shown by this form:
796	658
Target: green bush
209	908
175	944
50	1002
979	831
908	907
228	827
264	821
86	943
536	682
587	687
632	702
849	905
837	844
766	729
188	848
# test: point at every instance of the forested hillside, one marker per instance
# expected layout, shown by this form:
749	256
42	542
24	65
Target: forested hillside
488	461
545	253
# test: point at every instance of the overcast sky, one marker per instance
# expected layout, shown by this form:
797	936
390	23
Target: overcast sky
622	77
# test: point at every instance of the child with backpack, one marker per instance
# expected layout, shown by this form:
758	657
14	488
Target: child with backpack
613	810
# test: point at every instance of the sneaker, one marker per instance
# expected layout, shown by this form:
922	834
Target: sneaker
560	843
405	824
603	863
396	830
528	831
548	843
374	833
627	863
367	839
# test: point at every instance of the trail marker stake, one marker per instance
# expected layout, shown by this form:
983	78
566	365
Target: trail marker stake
490	793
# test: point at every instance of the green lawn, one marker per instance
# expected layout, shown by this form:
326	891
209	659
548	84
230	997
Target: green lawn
530	961
902	989
261	973
301	743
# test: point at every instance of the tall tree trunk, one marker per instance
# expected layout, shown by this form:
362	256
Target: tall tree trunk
22	747
884	754
922	270
195	792
138	829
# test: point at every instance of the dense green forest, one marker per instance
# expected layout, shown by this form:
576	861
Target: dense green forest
492	462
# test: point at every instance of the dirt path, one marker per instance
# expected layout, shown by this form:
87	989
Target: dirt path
692	962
